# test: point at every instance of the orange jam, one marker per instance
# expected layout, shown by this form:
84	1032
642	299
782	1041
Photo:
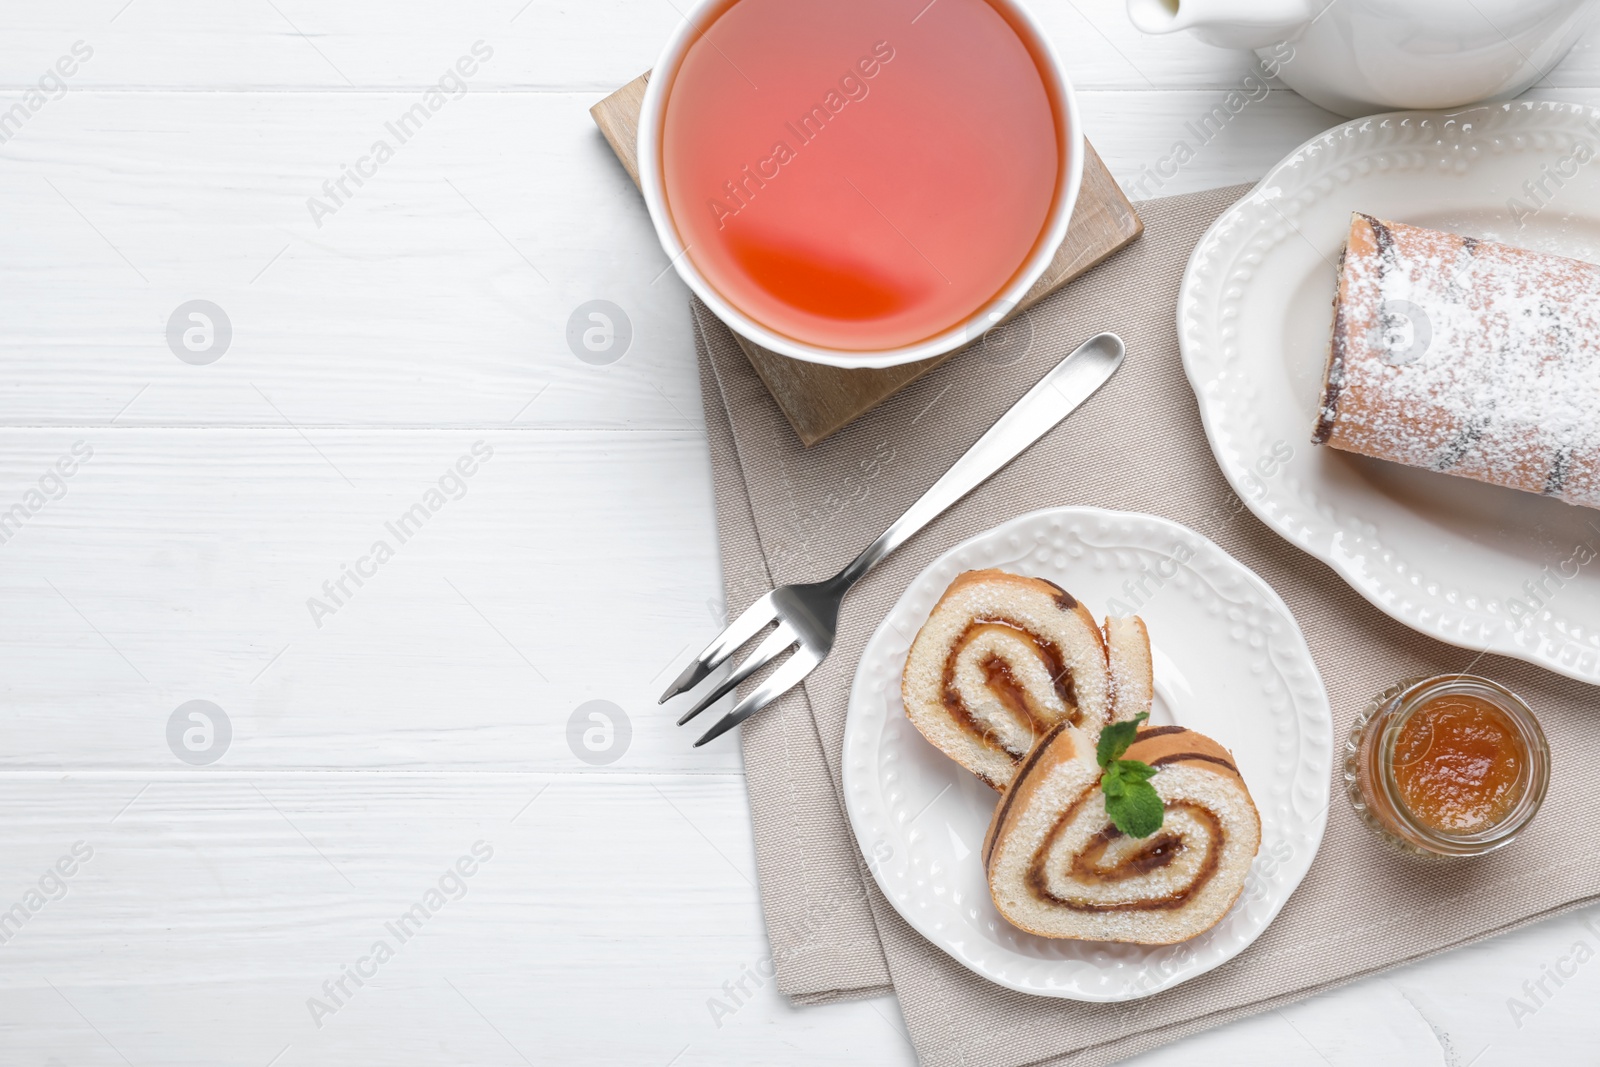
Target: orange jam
1458	763
1450	766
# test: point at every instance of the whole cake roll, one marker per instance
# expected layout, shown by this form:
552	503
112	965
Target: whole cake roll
1468	357
1059	867
1003	658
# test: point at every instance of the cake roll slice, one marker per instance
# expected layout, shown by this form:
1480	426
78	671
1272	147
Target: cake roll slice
1132	673
1002	659
1058	866
1467	357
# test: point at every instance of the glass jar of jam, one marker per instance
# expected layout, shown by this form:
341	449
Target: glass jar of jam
1449	766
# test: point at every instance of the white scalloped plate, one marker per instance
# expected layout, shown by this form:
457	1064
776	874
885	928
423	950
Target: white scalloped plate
1443	555
1229	661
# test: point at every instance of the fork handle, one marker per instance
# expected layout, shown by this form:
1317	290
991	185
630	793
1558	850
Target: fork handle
1056	396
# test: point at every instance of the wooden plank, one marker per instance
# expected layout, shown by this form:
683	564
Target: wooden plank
438	294
182	564
817	399
211	907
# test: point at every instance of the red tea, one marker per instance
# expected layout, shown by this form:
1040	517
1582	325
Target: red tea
860	174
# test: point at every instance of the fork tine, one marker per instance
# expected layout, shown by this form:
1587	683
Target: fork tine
777	642
736	633
782	680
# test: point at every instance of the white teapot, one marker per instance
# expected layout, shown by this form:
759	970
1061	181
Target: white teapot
1357	57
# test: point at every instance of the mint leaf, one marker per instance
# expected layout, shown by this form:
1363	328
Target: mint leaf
1124	773
1131	801
1116	737
1137	810
1133	771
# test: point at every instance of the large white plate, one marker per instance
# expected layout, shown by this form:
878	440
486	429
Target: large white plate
1476	565
1229	661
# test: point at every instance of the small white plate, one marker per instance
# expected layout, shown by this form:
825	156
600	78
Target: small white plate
1229	661
1476	565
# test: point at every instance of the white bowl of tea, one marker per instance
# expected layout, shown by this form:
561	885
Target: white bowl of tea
860	183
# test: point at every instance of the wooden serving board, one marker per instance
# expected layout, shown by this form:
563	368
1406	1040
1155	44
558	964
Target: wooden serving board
818	399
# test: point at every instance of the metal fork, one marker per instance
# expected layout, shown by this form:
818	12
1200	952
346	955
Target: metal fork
807	614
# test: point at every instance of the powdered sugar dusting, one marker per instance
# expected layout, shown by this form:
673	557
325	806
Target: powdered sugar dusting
1470	357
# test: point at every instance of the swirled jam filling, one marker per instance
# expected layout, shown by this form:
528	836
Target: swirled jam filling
1110	871
1002	678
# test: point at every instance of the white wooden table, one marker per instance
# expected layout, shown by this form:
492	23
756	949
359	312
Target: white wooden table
417	718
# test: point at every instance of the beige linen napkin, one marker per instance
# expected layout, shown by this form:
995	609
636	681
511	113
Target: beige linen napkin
787	514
